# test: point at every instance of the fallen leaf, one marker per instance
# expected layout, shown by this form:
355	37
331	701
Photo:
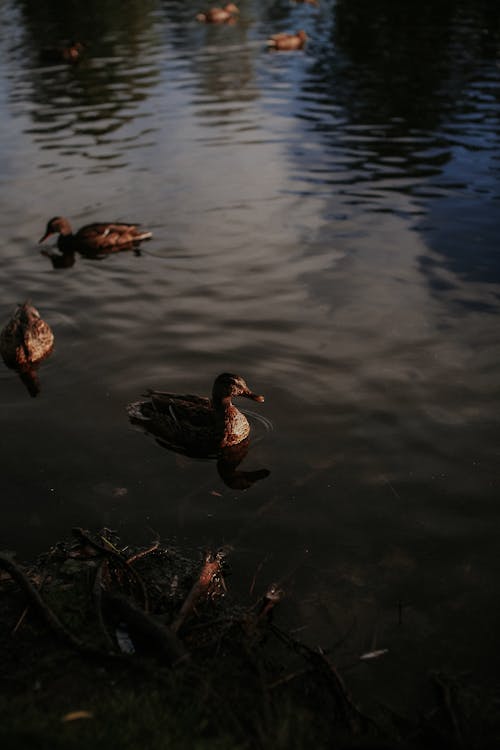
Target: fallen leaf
373	654
74	715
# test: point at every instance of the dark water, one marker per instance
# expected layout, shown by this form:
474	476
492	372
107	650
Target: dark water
326	224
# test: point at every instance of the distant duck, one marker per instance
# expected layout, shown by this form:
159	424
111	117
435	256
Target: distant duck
94	238
219	15
70	54
287	41
196	425
26	339
307	2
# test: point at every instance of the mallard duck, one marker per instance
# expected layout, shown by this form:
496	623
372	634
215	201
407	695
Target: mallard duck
70	54
287	41
92	238
196	424
219	15
26	339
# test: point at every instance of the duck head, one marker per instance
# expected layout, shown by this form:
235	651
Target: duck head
57	225
228	386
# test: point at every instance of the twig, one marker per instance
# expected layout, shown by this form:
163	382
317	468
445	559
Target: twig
447	700
108	550
288	678
255	575
97	597
354	719
34	599
20	621
142	553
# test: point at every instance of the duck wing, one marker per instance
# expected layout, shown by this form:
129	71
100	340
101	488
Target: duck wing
185	409
108	235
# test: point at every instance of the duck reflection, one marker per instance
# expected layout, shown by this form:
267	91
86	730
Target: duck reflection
67	258
227	467
25	341
29	376
200	427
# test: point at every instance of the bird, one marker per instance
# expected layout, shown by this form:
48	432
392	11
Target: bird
288	41
26	339
70	54
219	15
196	425
94	238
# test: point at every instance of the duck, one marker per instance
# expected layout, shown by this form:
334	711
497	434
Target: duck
94	238
26	339
288	41
219	15
196	425
70	54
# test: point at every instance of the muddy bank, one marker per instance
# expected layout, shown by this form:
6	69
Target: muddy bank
106	645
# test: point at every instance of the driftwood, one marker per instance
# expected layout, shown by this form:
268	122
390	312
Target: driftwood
211	568
165	643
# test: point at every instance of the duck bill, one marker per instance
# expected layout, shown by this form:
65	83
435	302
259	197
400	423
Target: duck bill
45	237
254	396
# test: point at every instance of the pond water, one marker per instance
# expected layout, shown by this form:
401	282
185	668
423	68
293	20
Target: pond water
325	224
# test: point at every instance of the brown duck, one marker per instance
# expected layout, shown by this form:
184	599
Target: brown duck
219	15
287	41
70	54
195	424
94	238
26	339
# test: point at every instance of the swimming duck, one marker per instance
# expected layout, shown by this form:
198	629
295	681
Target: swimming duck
92	238
26	339
70	54
219	15
287	41
196	424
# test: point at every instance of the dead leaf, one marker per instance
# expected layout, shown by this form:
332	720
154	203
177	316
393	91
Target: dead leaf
74	715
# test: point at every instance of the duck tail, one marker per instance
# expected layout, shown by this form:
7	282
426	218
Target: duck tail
143	236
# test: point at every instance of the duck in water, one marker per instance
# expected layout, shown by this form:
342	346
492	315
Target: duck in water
219	15
93	239
197	424
287	42
25	341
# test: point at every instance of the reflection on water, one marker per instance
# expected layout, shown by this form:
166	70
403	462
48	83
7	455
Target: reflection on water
29	376
325	221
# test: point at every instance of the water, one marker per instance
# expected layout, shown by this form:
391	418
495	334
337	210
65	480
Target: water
326	225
